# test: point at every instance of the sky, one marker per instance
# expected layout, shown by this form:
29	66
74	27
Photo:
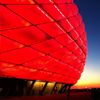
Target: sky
90	11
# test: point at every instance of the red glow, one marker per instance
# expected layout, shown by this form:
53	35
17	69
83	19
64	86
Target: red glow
42	42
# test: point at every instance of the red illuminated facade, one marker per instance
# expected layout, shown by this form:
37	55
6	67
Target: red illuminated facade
42	40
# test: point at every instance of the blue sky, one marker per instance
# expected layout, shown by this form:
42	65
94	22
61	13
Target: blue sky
90	11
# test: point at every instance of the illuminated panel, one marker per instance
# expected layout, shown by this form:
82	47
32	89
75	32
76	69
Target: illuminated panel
42	40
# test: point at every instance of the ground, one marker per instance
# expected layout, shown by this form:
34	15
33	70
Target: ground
73	96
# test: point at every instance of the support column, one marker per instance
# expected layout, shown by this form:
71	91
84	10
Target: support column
30	91
63	88
53	88
43	89
68	92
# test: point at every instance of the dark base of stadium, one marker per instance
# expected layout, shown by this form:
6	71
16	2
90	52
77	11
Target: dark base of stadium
18	87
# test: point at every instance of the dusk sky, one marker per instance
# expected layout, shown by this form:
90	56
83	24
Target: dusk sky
90	11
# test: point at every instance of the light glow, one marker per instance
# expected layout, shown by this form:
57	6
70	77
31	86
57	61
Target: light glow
40	40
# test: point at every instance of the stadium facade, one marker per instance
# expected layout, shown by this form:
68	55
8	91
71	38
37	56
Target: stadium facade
43	46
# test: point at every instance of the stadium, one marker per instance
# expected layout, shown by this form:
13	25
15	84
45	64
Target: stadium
43	47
